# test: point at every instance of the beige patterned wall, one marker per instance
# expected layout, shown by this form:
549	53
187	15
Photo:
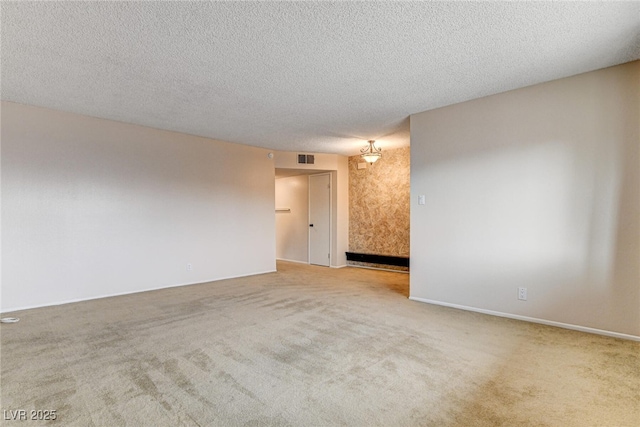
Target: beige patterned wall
379	205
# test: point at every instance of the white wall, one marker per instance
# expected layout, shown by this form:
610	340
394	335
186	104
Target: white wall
340	205
537	188
93	207
322	161
292	228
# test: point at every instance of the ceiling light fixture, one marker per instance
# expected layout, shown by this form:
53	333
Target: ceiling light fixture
371	154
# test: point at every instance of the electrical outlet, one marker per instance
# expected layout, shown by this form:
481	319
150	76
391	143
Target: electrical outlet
189	267
522	294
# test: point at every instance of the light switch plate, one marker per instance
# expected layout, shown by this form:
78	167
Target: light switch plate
422	200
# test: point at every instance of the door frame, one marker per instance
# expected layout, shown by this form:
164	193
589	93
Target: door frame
330	217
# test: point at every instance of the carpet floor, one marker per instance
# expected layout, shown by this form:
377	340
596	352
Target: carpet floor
307	346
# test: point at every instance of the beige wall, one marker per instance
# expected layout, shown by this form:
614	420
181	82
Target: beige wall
536	188
322	161
292	227
340	214
379	204
93	207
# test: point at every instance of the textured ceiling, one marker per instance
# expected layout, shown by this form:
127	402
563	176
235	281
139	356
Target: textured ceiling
307	76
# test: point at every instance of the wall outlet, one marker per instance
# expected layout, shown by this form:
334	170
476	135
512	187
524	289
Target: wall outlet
522	294
422	200
189	267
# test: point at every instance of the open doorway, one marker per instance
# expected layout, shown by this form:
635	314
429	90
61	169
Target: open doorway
303	201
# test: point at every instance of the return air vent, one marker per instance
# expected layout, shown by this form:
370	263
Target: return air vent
307	159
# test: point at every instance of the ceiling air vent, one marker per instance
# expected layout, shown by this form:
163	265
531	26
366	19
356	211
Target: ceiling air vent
307	159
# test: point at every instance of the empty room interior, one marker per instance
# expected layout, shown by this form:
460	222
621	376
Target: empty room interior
320	213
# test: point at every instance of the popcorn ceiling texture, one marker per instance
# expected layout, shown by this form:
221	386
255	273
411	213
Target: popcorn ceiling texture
379	206
297	76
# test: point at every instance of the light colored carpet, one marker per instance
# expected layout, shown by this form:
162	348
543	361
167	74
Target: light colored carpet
308	346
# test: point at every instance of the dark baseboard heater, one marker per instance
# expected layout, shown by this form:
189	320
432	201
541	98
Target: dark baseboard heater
400	261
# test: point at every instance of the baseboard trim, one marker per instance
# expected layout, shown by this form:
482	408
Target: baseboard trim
71	301
306	263
531	319
377	268
292	260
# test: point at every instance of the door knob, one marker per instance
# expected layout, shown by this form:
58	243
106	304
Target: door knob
310	225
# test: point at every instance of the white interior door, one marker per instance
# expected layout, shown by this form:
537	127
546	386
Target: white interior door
320	219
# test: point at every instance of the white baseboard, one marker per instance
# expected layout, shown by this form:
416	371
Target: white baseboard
305	262
377	268
292	260
531	319
70	301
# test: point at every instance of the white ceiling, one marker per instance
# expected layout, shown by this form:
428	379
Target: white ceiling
307	76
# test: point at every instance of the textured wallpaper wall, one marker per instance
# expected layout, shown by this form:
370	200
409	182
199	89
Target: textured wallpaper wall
379	205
